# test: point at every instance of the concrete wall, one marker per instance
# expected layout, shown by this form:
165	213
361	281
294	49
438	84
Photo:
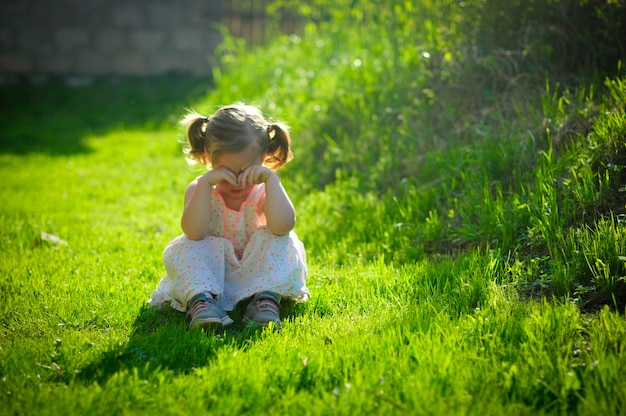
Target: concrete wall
107	37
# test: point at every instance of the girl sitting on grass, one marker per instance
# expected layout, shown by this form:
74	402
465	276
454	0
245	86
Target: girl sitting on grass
237	221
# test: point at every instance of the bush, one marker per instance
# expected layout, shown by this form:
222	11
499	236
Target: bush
435	128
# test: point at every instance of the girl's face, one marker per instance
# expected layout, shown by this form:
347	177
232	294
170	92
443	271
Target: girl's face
236	163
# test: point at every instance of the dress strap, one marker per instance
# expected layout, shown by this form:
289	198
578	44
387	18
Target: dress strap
257	192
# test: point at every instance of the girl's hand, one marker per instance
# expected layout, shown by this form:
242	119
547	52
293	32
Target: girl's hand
214	176
253	175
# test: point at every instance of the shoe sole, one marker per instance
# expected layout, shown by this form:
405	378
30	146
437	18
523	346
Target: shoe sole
210	323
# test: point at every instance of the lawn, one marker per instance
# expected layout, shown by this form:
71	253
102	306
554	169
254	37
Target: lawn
463	259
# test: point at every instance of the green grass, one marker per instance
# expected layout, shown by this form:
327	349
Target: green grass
467	255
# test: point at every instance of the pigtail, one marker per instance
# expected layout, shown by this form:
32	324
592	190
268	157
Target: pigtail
195	132
279	146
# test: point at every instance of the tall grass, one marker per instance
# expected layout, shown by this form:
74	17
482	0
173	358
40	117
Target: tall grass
465	233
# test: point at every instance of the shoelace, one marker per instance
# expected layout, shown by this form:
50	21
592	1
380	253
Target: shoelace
198	307
266	305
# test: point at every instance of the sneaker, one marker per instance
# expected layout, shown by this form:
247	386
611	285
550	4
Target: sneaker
205	313
264	309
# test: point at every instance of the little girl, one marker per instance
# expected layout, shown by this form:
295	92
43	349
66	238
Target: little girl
237	221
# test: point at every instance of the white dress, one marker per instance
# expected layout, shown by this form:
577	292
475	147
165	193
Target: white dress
239	258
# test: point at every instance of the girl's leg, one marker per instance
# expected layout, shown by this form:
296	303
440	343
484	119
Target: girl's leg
196	271
194	267
270	263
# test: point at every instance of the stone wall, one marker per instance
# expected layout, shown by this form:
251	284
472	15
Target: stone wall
107	37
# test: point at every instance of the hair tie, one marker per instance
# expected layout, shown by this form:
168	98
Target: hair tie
271	133
205	125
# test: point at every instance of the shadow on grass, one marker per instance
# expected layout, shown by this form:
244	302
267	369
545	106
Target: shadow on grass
160	340
56	119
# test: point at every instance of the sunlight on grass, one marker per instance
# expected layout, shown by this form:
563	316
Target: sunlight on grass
466	255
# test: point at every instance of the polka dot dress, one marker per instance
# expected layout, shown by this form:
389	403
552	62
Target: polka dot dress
239	258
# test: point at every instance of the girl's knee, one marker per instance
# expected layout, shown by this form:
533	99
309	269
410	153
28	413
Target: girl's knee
182	246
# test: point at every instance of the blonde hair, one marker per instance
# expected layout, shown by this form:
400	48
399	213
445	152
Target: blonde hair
232	129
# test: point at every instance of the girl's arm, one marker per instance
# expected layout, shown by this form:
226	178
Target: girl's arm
195	219
279	211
